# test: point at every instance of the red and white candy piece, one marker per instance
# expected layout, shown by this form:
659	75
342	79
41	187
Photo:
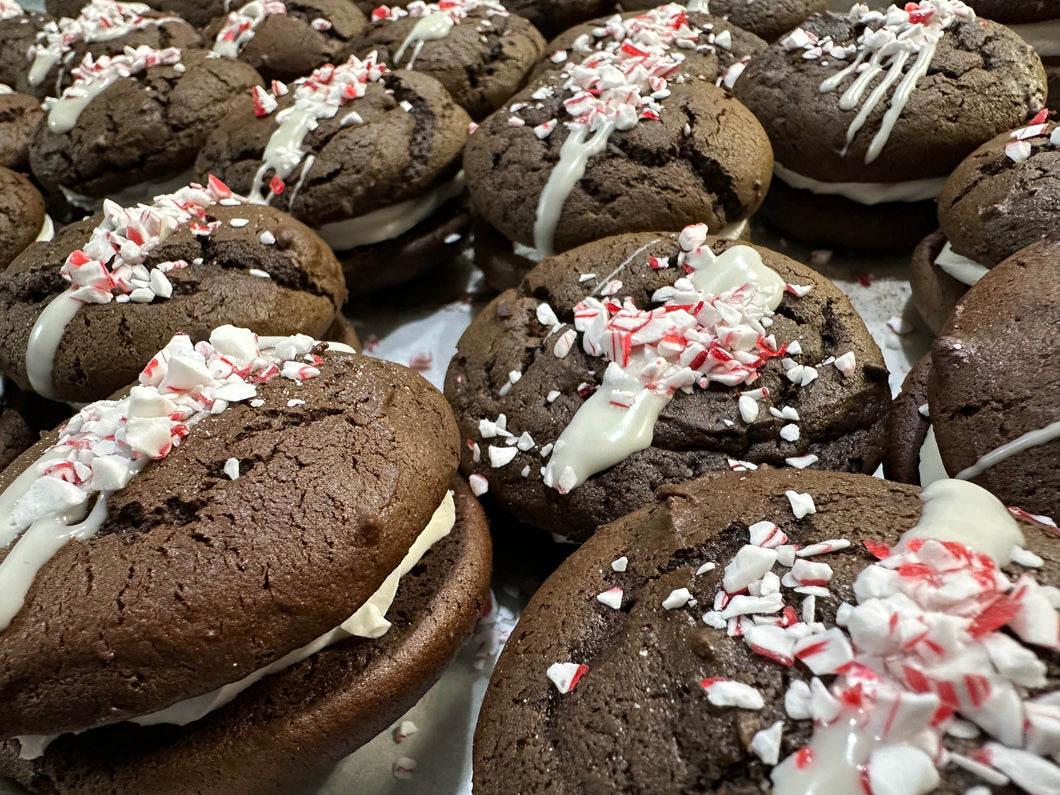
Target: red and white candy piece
565	675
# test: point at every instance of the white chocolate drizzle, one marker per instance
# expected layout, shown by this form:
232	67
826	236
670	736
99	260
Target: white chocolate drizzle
884	48
717	310
93	76
435	21
621	80
111	267
240	26
99	20
869	193
108	442
316	97
936	639
1018	445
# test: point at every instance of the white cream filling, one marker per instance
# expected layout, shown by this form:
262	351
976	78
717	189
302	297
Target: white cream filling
134	194
964	270
387	223
930	464
47	230
368	622
1042	36
869	193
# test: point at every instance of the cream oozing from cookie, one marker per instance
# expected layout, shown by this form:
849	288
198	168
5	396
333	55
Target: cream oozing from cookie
621	81
99	20
894	50
869	193
435	21
110	267
917	656
965	270
316	97
63	495
708	330
94	75
240	26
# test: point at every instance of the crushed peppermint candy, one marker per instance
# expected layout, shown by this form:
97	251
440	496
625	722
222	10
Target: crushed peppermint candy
10	9
612	598
729	693
231	468
404	767
565	676
1019	148
620	564
678	597
479	485
404	730
801	504
240	26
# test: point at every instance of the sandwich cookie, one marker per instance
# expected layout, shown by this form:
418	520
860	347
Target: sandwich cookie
283	492
335	152
870	111
631	134
647	359
1037	22
80	315
1002	197
288	40
477	49
769	19
153	108
22	217
789	632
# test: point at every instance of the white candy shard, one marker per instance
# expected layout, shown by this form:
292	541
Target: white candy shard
612	598
678	597
565	675
231	468
801	504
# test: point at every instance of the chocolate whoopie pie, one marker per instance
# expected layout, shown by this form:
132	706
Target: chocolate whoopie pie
368	157
22	216
629	134
647	359
288	40
152	108
243	582
100	27
787	632
79	315
991	389
1001	198
477	49
19	116
868	113
1037	22
766	18
196	12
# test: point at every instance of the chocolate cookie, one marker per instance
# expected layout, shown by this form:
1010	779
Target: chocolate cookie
1037	22
79	318
18	34
24	418
766	18
305	484
686	647
1001	198
288	40
363	155
594	365
860	123
100	27
19	116
22	217
196	12
478	50
908	425
153	108
994	392
325	707
657	146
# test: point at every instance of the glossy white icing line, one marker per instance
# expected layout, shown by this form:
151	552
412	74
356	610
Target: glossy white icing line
936	640
864	192
93	76
316	97
435	21
369	621
1044	37
964	270
893	51
108	442
387	223
99	20
621	80
241	25
110	267
1008	449
717	311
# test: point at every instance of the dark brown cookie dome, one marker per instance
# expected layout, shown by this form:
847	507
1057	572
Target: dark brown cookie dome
613	682
482	59
766	18
237	263
19	116
993	382
154	123
287	40
522	359
196	12
22	217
